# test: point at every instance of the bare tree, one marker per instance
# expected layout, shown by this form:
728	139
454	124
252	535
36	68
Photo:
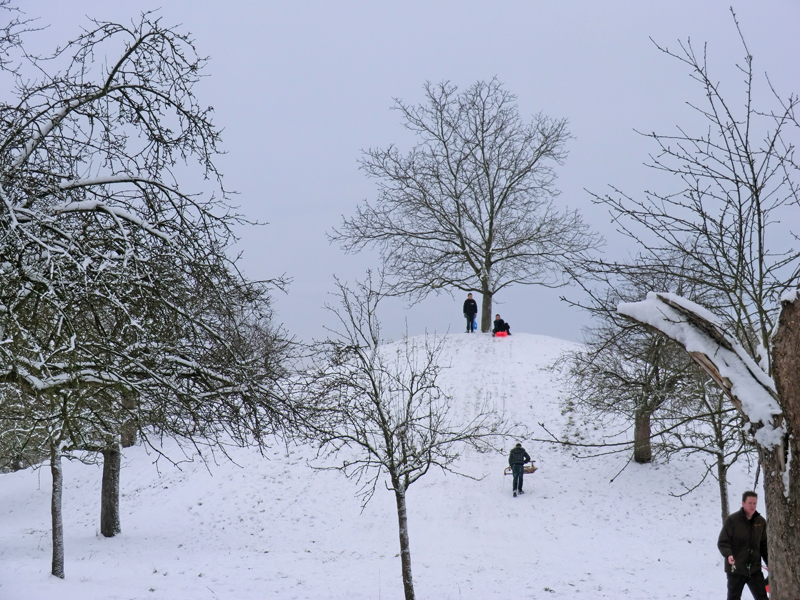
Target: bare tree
710	427
119	306
12	27
626	372
381	411
732	221
18	449
729	223
472	206
630	378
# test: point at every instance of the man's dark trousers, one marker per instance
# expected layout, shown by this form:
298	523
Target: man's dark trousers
517	471
755	582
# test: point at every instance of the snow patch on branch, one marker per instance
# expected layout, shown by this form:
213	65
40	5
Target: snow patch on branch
790	295
44	132
749	383
88	182
786	475
96	205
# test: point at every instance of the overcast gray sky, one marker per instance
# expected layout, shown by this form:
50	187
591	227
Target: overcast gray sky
301	87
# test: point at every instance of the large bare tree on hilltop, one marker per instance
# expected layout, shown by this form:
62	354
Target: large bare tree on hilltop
472	206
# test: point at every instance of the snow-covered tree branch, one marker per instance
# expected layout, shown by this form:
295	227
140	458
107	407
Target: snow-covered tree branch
120	308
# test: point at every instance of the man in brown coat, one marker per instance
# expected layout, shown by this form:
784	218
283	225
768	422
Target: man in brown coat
743	543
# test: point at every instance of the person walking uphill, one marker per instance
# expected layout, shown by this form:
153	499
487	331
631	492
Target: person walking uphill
743	543
516	459
470	310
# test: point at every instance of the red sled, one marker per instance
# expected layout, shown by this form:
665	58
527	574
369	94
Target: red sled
501	334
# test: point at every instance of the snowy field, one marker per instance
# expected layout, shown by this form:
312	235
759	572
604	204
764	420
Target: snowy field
274	528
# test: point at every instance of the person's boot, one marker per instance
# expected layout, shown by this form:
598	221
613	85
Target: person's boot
515	493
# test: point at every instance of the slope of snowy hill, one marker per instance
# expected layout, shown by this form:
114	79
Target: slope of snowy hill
274	528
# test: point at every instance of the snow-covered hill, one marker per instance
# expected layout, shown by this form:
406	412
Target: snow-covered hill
274	528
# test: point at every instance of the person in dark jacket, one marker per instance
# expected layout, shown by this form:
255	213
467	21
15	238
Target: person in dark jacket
743	543
500	325
516	459
470	310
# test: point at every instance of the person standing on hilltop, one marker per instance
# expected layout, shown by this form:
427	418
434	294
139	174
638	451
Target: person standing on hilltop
470	310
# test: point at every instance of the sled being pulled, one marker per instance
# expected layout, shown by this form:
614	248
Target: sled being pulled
527	469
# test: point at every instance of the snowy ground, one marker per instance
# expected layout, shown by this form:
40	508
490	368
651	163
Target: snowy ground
274	528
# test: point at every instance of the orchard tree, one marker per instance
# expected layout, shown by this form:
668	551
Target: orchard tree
709	427
624	373
626	376
621	372
380	410
18	449
120	308
472	206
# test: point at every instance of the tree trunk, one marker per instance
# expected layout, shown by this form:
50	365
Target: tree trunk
128	434
109	496
781	464
405	546
55	511
722	479
720	442
642	450
486	312
129	429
